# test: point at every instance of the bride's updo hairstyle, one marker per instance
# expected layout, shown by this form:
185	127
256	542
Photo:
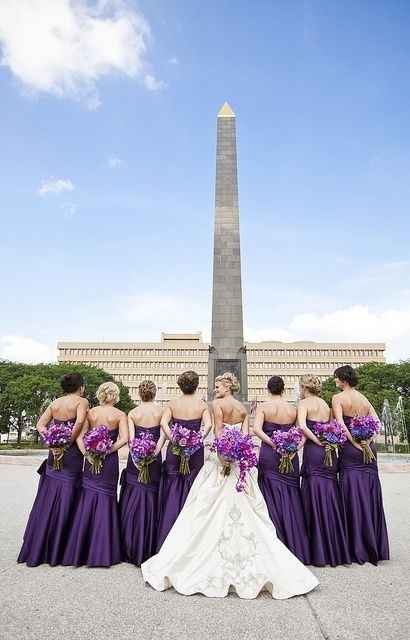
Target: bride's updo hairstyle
147	390
108	392
230	381
188	382
311	383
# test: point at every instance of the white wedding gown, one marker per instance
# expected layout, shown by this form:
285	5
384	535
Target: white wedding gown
224	541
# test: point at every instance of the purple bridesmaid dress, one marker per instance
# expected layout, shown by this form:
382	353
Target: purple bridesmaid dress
95	538
139	507
363	503
323	505
174	487
50	520
283	497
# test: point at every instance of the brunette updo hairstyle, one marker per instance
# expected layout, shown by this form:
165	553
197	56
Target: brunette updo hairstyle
147	390
72	382
188	382
276	385
230	381
347	374
311	383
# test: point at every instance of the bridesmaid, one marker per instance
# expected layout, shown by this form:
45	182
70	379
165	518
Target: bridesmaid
49	522
95	538
190	411
281	491
321	495
361	489
139	502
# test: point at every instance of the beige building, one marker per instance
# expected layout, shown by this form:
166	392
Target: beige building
163	361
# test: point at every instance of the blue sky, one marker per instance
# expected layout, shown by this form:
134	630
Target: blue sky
107	122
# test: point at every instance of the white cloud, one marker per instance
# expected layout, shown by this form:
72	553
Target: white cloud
64	47
173	60
352	324
55	186
152	84
22	349
114	162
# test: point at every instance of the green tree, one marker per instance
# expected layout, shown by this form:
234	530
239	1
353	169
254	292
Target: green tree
378	382
26	390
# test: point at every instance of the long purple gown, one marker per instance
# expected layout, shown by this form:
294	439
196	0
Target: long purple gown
95	538
50	519
363	503
283	497
174	487
323	505
139	507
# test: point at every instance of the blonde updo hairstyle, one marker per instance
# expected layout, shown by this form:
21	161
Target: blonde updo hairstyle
311	383
230	381
108	392
147	390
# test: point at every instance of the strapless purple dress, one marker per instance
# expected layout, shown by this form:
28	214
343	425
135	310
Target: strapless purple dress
94	538
139	507
174	487
363	503
283	497
323	505
50	520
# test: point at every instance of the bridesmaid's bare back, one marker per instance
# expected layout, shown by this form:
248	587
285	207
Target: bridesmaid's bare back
279	410
147	414
353	403
187	407
106	415
66	407
316	409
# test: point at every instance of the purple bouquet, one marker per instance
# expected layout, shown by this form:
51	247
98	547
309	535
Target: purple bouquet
286	443
98	444
363	428
184	443
57	437
142	454
332	435
233	447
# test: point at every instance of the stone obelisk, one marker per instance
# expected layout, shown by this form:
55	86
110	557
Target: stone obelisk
227	350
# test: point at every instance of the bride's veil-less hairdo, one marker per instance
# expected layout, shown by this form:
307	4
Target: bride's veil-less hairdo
229	380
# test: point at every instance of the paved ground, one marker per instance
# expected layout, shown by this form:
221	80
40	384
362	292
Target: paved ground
352	603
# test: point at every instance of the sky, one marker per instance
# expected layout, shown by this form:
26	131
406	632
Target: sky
108	134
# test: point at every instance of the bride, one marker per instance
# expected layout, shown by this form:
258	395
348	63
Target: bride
224	540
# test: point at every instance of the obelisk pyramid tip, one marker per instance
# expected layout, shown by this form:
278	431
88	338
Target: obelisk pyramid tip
226	111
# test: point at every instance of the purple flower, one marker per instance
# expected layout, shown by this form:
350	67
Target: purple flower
332	435
98	445
363	429
184	442
142	450
235	447
57	437
286	443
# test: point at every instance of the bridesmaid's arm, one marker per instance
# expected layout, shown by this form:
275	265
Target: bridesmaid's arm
80	440
123	433
337	410
82	410
307	433
131	427
257	427
161	441
44	419
207	422
165	420
373	413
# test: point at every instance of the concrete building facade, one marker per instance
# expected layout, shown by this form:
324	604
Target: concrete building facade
163	361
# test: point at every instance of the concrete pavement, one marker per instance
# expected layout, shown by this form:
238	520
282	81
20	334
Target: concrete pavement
351	603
